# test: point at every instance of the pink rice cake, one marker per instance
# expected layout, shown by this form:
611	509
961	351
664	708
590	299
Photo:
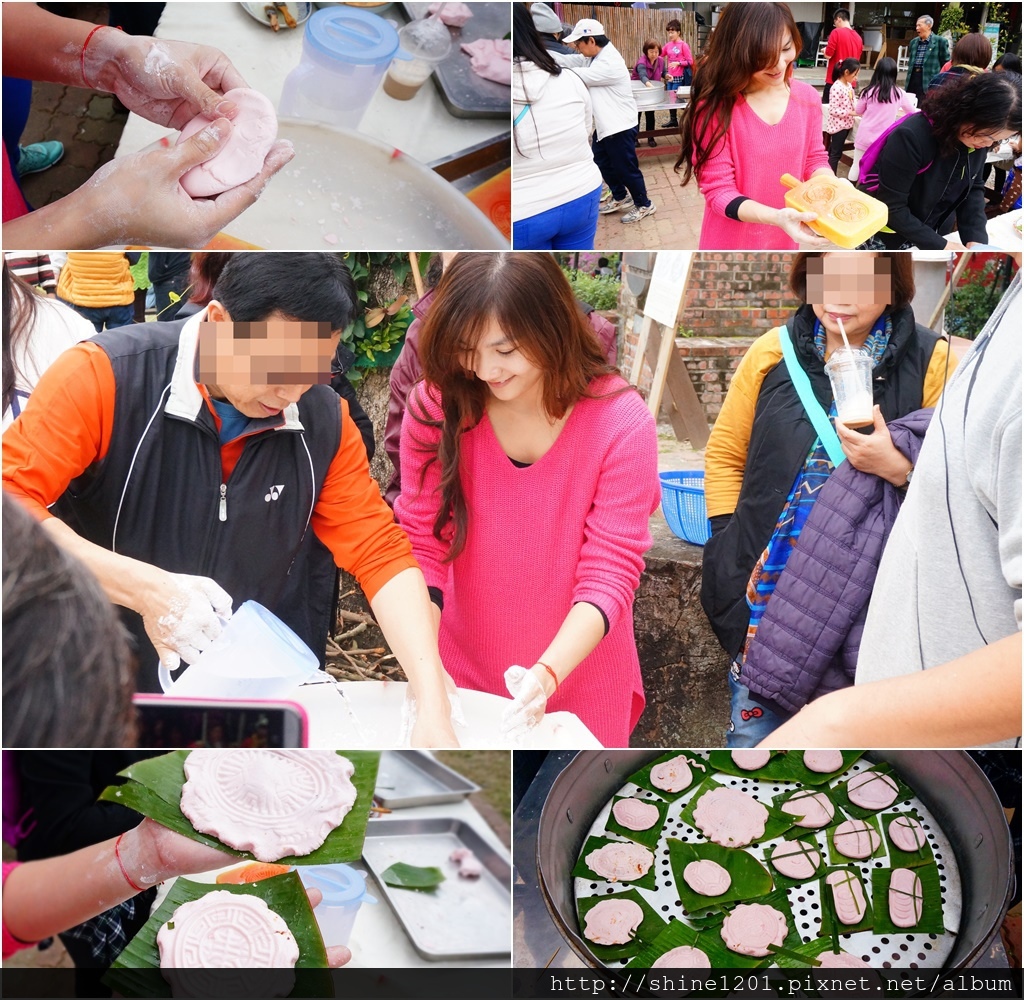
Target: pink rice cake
847	896
707	878
624	862
823	761
730	817
907	834
906	897
751	760
841	960
634	814
753	928
813	809
796	859
683	957
857	839
672	775
613	921
872	790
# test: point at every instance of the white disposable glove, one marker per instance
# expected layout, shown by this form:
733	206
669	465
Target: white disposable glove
528	705
794	224
183	615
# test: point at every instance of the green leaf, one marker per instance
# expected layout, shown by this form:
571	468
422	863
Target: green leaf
650	927
842	798
721	760
284	894
675	935
777	824
154	790
836	857
831	927
698	771
784	881
750	878
898	857
789	766
403	876
648	838
722	957
931	921
648	881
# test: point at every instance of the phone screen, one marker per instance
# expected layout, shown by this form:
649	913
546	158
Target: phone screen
163	726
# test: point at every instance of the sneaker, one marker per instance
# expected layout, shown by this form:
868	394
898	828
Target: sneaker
639	213
606	193
39	156
616	206
652	141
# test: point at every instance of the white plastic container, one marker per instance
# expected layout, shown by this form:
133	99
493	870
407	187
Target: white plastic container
345	54
425	43
850	371
344	891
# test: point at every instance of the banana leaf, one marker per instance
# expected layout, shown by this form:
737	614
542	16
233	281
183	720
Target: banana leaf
698	771
900	858
154	790
749	877
136	971
675	935
840	860
649	837
789	766
842	799
785	881
403	876
650	927
810	950
831	927
721	760
931	921
798	831
648	881
777	824
722	957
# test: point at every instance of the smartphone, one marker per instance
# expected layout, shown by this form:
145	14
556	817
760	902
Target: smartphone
168	723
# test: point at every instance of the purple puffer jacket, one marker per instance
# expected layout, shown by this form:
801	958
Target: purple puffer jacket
807	642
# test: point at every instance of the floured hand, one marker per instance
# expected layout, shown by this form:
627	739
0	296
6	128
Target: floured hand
529	702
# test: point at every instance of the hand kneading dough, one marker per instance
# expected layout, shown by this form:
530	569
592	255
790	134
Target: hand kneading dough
241	159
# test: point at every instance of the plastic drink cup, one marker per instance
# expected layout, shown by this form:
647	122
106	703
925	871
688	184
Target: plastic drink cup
344	891
425	43
850	371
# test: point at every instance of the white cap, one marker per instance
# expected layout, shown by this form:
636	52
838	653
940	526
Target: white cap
585	28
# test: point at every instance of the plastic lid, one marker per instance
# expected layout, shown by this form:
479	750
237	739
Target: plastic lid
339	883
352	36
427	38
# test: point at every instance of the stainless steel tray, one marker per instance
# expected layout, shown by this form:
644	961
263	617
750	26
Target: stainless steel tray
410	778
461	919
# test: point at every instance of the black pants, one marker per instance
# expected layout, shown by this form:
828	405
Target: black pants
615	156
915	83
649	116
835	149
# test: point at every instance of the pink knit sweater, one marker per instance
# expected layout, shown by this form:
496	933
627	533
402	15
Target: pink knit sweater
749	162
571	527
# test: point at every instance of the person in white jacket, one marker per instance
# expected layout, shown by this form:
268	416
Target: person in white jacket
556	186
601	67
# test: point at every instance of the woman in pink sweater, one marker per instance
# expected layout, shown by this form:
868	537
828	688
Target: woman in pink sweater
749	123
529	473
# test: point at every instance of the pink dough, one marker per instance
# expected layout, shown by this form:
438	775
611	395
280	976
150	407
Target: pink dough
872	790
823	761
847	896
730	817
751	760
455	15
906	834
815	809
683	957
254	130
752	927
796	859
634	814
842	960
856	839
469	864
620	862
673	775
491	58
906	897
613	921
707	878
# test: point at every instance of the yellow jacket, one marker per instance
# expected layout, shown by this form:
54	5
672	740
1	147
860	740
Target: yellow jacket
96	279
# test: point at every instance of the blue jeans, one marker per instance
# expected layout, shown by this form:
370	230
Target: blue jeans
750	721
565	227
615	156
109	316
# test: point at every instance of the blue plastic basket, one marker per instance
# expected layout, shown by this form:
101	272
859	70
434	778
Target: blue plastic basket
682	501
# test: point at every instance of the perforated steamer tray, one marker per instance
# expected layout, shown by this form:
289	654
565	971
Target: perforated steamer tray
899	950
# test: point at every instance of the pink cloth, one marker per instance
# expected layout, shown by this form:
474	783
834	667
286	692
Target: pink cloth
491	58
876	118
11	943
677	57
571	527
14	201
843	43
749	162
841	99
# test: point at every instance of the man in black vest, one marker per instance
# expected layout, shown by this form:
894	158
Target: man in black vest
197	464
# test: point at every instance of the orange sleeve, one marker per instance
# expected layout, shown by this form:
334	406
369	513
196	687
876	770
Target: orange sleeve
65	427
353	521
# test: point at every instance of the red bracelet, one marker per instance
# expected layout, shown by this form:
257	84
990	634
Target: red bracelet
120	864
88	39
554	676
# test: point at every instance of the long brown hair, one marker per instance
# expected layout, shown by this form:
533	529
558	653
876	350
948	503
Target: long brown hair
745	42
20	306
530	299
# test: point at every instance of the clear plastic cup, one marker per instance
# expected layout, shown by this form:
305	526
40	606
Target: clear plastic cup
850	371
425	43
344	891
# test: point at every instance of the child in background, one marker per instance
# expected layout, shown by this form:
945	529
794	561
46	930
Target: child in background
649	68
841	101
878	107
678	63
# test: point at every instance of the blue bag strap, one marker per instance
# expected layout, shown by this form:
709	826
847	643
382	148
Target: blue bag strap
519	117
818	417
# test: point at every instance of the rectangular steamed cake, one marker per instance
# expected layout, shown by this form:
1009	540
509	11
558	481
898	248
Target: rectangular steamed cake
846	216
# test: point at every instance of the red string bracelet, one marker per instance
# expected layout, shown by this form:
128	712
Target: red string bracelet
88	39
120	864
554	676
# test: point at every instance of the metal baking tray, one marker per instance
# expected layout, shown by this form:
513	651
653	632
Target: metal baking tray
465	94
409	778
460	920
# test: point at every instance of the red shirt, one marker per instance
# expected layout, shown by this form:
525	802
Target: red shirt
843	43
